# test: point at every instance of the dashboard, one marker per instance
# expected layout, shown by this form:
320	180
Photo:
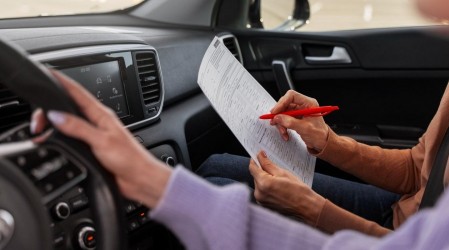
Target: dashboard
140	78
173	96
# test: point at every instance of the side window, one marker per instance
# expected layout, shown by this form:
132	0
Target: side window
330	15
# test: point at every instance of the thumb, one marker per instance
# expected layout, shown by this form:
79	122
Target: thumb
73	126
38	121
267	165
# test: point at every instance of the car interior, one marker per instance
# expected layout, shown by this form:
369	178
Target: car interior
143	62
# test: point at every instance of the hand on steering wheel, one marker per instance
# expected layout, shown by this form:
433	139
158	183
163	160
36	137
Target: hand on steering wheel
27	207
112	144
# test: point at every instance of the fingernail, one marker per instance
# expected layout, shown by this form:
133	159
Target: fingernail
264	154
277	119
33	125
55	117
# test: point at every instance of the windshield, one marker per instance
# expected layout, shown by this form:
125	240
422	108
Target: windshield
33	8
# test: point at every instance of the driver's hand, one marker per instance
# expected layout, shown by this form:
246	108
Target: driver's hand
313	130
139	175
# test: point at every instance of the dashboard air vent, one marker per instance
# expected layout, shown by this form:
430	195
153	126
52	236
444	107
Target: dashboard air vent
13	110
231	43
147	70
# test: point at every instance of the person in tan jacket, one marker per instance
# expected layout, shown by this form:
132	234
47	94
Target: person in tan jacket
395	179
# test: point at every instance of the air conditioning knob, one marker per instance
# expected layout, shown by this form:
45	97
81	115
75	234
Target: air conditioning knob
87	238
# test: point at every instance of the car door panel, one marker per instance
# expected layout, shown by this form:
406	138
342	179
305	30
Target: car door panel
387	93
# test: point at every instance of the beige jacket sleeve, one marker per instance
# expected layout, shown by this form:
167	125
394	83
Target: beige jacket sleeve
391	169
334	218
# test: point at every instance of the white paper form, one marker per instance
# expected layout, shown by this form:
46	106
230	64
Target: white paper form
239	99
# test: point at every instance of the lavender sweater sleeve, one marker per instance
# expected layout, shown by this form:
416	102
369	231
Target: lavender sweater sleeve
204	216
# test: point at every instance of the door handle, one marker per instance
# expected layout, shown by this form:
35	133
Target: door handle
281	71
339	56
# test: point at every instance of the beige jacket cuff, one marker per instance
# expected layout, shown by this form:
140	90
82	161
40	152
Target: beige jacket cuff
334	218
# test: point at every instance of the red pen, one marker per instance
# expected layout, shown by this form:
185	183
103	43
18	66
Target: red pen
316	111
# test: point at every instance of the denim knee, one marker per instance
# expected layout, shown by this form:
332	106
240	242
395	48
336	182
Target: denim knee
228	166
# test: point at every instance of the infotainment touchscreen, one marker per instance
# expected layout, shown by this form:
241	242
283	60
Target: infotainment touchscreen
104	81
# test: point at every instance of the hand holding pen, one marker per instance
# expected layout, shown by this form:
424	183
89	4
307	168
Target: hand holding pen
311	127
315	111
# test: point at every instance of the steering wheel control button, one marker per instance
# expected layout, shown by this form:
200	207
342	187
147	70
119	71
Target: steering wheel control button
48	187
87	238
61	211
21	161
143	218
78	203
130	207
52	171
42	152
6	227
46	168
69	174
133	225
18	133
58	241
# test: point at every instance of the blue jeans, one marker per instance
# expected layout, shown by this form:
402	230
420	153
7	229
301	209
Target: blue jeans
365	200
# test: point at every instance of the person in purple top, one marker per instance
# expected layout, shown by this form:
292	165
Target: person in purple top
204	216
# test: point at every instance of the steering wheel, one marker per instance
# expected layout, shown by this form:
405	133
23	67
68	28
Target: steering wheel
33	175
